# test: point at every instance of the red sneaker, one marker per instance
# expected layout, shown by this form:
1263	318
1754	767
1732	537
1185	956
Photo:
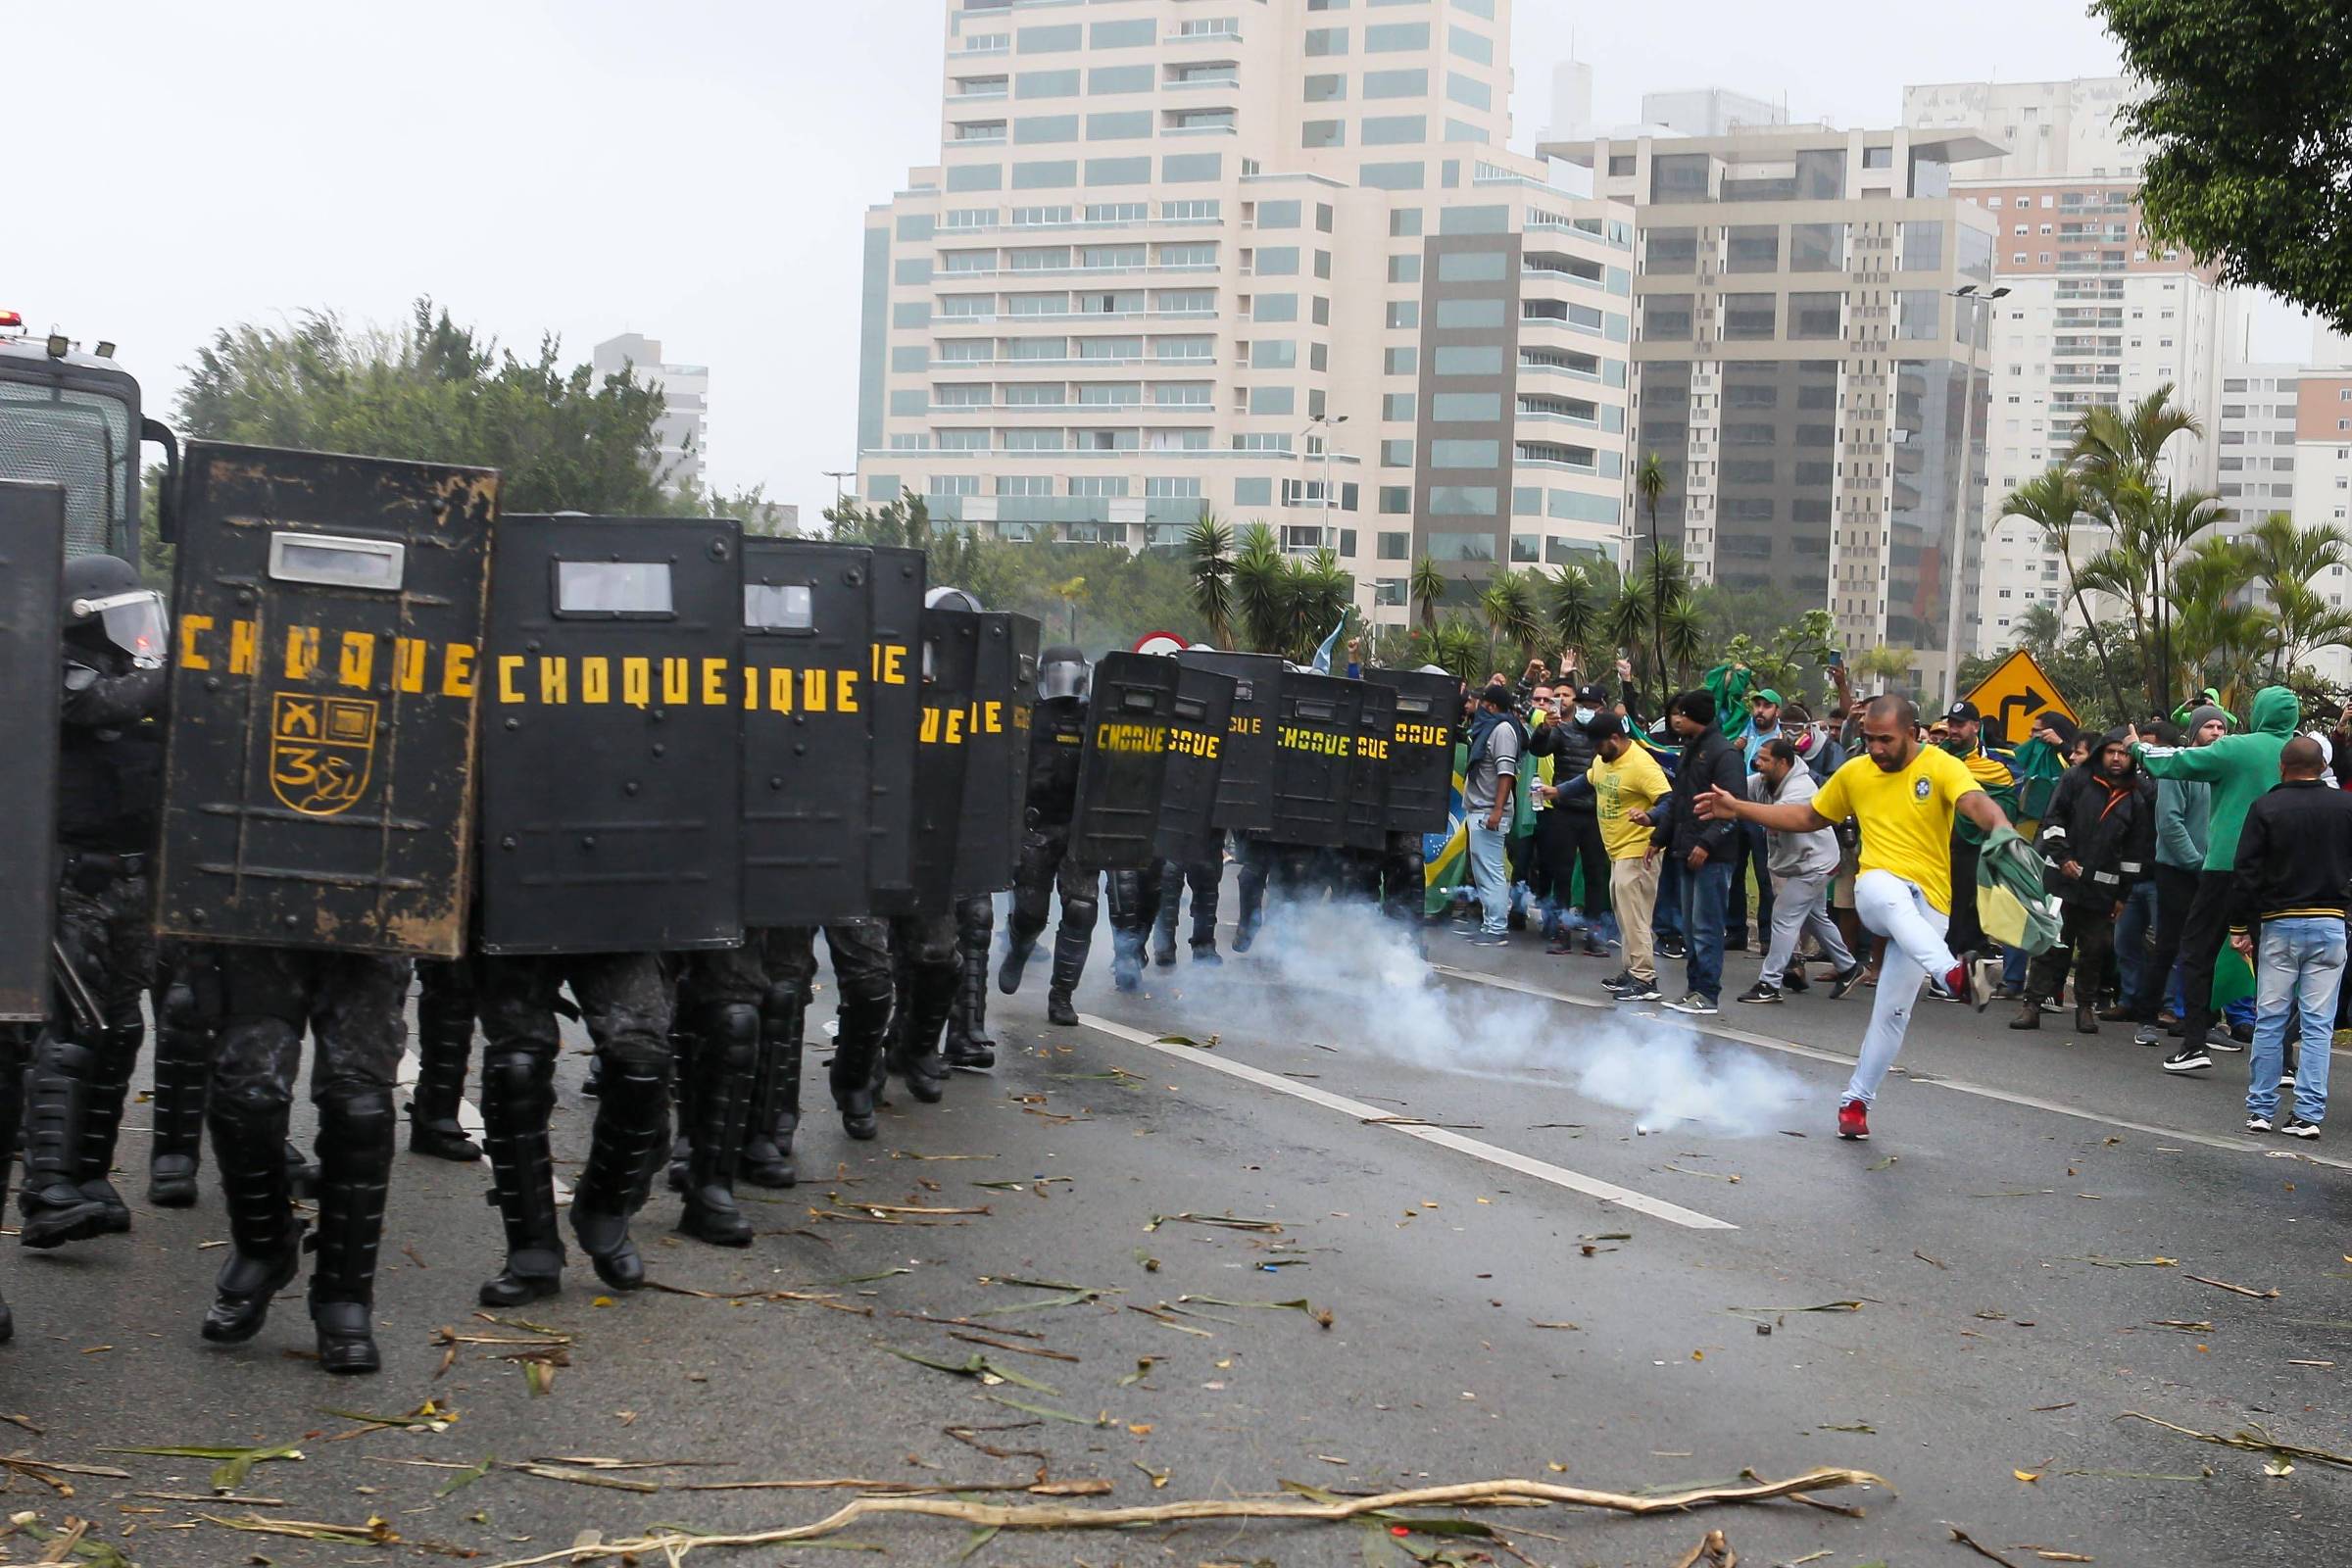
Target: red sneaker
1853	1120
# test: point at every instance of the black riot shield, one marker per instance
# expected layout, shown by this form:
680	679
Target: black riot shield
1314	732
1120	772
807	730
1246	761
613	737
32	554
319	762
894	705
1197	723
1368	767
995	769
1421	748
948	654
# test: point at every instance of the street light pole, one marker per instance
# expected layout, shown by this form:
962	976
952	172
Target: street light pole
1964	498
841	491
1326	422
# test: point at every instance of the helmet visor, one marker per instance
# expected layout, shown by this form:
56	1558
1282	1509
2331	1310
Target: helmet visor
132	624
1060	678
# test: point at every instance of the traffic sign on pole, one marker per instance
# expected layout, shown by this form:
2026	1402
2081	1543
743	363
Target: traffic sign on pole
1160	642
2016	694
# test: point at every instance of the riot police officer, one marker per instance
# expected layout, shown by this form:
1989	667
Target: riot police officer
1203	877
862	977
1057	748
1135	902
110	781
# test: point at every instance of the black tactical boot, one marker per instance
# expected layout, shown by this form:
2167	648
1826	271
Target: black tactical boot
444	1039
55	1209
183	1075
249	1146
356	1138
632	1127
968	1044
775	1092
110	1087
719	1107
1017	949
925	1002
517	1096
1069	963
851	1076
1127	959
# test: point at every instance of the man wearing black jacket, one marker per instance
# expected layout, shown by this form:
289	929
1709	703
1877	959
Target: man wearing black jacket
2294	863
1701	847
1568	827
2098	838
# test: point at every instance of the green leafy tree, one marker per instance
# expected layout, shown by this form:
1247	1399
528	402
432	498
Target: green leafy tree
1650	484
1508	608
563	438
2289	559
2243	108
1577	600
2052	502
1261	590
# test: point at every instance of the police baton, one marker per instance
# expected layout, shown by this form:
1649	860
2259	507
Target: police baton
78	1000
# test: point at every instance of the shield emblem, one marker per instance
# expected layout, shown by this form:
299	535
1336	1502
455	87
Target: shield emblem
322	750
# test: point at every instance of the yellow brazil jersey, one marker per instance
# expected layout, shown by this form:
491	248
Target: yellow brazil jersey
1906	816
1635	782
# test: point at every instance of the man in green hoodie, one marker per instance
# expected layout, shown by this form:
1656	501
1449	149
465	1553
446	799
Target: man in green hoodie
2240	770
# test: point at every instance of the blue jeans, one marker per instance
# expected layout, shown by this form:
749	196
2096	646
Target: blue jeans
1705	892
2301	969
1489	873
2131	956
1666	918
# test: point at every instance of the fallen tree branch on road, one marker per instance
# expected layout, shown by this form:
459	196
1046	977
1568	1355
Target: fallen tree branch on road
1056	1516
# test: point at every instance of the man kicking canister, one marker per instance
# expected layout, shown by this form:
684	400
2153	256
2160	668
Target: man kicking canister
1904	796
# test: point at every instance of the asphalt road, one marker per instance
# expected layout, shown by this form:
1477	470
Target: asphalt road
1519	1281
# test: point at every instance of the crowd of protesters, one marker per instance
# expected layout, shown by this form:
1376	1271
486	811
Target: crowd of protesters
1856	837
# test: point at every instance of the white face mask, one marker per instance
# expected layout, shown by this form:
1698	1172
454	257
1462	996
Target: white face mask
1584	715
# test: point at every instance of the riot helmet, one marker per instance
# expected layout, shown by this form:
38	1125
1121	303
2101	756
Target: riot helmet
946	598
1062	672
109	618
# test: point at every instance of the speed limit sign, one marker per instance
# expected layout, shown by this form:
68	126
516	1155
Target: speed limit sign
1160	642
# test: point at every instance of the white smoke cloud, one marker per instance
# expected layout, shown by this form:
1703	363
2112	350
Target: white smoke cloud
1343	975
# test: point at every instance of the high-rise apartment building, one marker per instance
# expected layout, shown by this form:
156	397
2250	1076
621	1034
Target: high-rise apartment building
2040	128
2097	314
2255	442
1710	112
1802	367
1267	258
685	428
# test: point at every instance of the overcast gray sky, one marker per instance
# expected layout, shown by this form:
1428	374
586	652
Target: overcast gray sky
694	170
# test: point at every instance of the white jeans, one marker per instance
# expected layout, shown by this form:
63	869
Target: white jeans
1914	931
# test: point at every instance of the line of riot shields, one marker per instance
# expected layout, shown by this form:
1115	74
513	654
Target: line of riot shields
602	755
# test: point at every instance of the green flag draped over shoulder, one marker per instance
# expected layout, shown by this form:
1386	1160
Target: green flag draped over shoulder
2011	905
2039	767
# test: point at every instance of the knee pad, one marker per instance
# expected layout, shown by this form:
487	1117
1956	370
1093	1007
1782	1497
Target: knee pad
250	1101
730	1032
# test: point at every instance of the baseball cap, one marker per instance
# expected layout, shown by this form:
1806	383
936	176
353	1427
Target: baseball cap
1767	695
1963	711
1593	694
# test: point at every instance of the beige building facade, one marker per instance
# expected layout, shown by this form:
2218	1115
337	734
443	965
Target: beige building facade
1268	258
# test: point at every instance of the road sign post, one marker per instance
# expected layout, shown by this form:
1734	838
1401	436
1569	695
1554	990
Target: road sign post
2014	695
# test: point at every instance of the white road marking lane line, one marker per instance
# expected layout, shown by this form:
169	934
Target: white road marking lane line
1543	1170
1926	1079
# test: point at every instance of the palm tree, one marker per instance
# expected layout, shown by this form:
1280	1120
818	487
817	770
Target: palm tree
1210	545
2040	628
1684	634
1508	607
1650	484
1321	596
2289	559
1457	648
1427	586
2051	501
2222	636
1577	606
1887	664
1626	619
1261	591
2115	455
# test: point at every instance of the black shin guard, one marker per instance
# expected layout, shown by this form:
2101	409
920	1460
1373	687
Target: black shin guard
518	1097
356	1138
718	1108
632	1128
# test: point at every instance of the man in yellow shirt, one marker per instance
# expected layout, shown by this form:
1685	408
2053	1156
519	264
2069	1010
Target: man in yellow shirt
1627	782
1905	797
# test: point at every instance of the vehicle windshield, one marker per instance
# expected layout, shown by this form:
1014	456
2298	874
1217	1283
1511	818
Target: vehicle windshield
80	440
